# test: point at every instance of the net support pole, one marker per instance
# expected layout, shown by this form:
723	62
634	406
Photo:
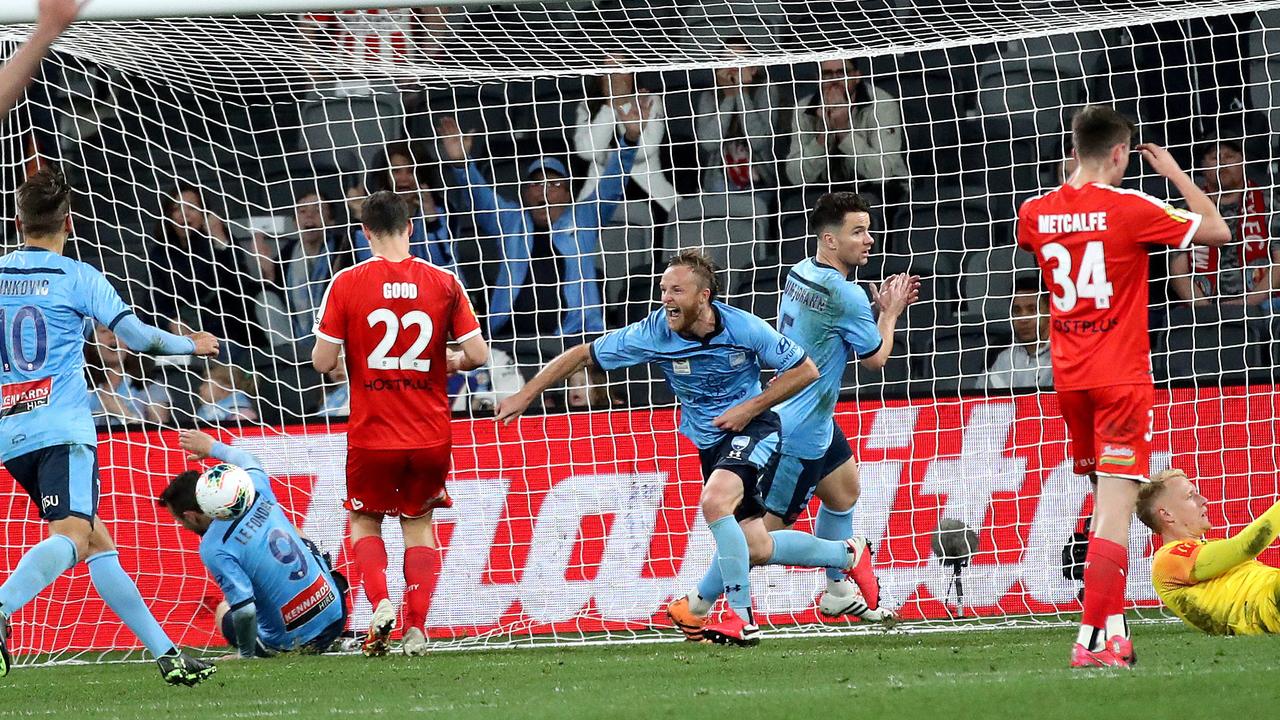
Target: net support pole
24	11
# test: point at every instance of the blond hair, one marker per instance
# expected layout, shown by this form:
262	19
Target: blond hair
1149	494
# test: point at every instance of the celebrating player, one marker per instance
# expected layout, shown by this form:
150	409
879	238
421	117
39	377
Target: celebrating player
1217	586
711	354
280	593
831	318
47	437
393	313
1090	239
54	17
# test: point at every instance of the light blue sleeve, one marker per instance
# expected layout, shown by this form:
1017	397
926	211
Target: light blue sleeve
857	323
98	299
250	463
230	577
775	350
144	338
627	347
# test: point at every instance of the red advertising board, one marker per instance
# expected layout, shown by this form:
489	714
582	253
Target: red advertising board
589	522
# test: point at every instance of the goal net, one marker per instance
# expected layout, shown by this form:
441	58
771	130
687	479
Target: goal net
219	163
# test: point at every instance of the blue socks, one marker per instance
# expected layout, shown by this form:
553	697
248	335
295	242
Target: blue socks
831	525
122	596
735	564
792	547
41	565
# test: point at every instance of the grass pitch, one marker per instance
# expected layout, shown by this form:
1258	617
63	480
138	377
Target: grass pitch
1006	673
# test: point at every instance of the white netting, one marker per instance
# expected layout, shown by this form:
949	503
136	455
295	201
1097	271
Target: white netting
946	114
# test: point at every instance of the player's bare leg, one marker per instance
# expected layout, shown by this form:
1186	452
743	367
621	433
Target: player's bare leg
371	562
721	497
1103	640
421	569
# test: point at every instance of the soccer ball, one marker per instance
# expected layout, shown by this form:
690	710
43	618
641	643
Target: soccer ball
225	492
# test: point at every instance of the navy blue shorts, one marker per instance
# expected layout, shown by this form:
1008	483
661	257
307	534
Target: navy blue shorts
62	480
790	488
751	454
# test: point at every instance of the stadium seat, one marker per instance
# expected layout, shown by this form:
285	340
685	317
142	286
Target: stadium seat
956	357
347	132
986	284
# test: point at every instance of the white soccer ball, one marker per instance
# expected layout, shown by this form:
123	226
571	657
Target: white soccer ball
225	491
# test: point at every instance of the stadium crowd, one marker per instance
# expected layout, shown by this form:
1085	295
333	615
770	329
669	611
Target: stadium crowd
555	202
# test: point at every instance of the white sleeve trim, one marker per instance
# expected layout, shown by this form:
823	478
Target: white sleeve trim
328	338
464	338
1196	219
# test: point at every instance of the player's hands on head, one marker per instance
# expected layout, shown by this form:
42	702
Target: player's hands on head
57	15
1159	159
197	444
734	419
454	145
512	407
206	343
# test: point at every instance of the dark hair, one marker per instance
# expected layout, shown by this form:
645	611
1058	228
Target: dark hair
180	496
1217	145
44	201
167	229
701	266
1028	284
384	213
830	210
1097	128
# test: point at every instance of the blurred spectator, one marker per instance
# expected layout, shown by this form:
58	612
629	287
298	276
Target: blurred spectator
119	389
1027	364
337	401
431	239
735	125
354	195
386	35
598	125
227	394
548	284
199	279
308	260
849	136
1247	269
588	389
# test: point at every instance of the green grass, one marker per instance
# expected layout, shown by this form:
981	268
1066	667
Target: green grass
1005	673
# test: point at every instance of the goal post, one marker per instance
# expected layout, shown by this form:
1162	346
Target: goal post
218	163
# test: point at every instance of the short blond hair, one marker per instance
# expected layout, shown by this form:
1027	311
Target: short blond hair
1150	493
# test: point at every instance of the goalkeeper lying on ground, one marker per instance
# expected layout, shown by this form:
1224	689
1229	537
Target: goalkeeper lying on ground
1217	586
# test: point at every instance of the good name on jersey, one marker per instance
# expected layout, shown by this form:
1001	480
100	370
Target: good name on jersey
399	291
308	604
24	397
1072	222
24	287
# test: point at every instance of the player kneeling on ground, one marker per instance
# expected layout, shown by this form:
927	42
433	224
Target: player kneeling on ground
1218	586
280	593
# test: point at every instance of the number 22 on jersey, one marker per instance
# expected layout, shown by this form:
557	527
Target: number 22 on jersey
1089	282
412	358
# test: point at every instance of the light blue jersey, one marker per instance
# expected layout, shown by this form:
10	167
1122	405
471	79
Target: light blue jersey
259	558
830	317
44	301
709	375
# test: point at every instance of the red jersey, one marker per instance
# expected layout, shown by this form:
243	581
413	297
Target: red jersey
1092	245
394	319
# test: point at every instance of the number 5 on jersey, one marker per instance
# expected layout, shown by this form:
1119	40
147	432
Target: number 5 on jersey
1090	282
412	358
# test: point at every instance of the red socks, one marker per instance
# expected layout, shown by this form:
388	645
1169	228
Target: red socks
1105	568
371	563
421	569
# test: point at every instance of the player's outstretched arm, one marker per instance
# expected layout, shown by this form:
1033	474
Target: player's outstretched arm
144	338
1216	558
892	297
567	363
200	445
785	385
1213	230
54	17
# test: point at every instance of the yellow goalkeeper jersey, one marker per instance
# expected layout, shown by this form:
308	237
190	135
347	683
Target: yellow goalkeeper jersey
1219	586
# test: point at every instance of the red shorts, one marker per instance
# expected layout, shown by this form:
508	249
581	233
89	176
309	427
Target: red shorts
1110	429
407	482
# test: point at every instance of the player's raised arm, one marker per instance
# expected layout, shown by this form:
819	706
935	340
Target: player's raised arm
797	371
200	445
892	297
1213	230
103	303
567	363
1215	558
55	17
